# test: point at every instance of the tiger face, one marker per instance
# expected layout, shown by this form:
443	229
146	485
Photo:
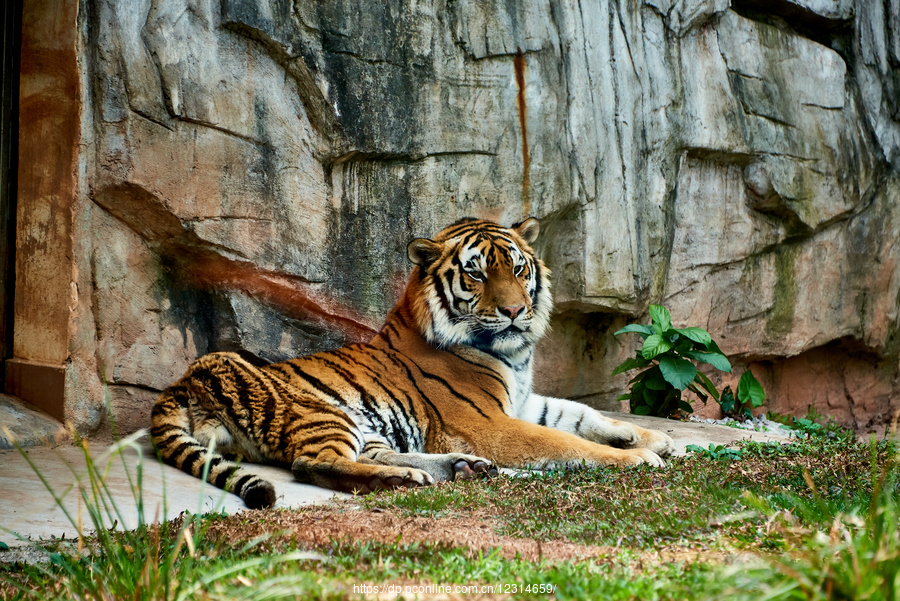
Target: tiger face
481	285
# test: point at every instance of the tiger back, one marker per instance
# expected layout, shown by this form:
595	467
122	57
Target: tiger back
443	391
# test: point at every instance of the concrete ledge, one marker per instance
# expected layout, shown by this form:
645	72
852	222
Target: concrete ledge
43	385
28	510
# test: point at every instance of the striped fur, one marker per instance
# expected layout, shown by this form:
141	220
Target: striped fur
443	390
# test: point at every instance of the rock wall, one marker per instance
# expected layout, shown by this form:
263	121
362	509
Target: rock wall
254	169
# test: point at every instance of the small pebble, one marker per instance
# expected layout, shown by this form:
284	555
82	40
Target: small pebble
760	423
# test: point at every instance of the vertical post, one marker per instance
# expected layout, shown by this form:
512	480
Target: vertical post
49	138
9	135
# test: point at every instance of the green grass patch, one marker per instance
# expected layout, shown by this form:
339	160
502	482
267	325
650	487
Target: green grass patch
642	507
405	568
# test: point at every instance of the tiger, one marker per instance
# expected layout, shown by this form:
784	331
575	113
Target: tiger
442	392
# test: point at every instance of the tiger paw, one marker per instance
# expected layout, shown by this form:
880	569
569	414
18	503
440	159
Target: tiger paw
624	435
629	457
469	466
399	478
656	441
446	467
607	431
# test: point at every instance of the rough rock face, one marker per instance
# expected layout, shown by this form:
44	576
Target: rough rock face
256	167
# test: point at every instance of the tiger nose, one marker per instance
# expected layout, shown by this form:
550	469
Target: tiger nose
511	312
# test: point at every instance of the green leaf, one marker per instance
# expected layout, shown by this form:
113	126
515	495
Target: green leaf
677	371
685	406
727	402
696	334
629	364
693	388
662	320
642	410
624	397
637	394
683	344
693	448
749	389
717	360
637	328
639	378
3	546
707	384
655	380
650	397
654	345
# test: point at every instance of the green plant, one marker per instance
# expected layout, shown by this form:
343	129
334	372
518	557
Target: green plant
668	354
715	452
838	554
813	424
750	395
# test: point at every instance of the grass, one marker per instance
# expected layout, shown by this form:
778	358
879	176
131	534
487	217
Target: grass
846	546
395	567
817	519
641	507
636	507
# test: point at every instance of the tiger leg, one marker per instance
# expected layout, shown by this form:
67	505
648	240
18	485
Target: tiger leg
186	428
325	443
586	422
330	469
516	443
442	467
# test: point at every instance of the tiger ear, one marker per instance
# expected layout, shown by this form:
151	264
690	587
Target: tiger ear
528	229
423	251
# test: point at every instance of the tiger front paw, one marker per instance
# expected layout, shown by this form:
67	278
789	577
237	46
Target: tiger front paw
624	435
629	457
614	433
656	441
397	478
469	466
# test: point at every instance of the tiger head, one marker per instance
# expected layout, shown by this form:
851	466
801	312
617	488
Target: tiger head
479	284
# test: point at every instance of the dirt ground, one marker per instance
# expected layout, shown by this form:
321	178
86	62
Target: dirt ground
476	530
